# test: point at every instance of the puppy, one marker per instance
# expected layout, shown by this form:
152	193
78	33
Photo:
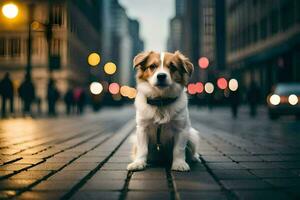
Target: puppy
161	109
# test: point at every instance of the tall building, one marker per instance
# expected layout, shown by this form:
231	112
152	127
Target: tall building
198	30
263	41
68	28
121	40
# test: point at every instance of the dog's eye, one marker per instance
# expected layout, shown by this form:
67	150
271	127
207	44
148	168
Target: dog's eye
172	67
152	67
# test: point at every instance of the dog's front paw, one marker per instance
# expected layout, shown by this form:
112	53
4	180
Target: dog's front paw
180	165
136	165
196	158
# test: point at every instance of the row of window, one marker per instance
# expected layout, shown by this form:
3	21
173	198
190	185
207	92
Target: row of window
11	47
278	19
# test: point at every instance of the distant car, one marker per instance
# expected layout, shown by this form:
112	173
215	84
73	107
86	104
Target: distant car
284	100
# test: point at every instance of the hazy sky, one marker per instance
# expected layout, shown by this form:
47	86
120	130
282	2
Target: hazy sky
154	18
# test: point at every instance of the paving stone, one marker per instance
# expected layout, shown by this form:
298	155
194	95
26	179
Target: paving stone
196	185
5	194
95	195
5	173
90	159
47	167
246	158
80	167
207	195
110	175
26	175
245	184
10	184
13	167
115	167
29	161
149	175
192	175
284	182
154	185
261	165
69	175
274	173
227	165
260	194
225	174
216	159
38	195
93	184
146	195
54	185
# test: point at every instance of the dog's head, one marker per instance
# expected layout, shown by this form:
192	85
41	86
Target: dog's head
162	71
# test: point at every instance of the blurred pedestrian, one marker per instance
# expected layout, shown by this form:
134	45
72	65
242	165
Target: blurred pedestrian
7	94
69	101
52	97
253	95
38	101
234	98
81	102
27	94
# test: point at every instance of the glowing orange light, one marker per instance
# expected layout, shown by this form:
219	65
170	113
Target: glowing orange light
10	10
222	83
114	88
94	59
203	62
199	87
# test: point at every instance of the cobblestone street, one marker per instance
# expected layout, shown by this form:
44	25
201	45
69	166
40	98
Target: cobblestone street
86	157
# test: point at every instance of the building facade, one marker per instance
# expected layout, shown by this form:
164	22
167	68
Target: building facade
263	41
63	33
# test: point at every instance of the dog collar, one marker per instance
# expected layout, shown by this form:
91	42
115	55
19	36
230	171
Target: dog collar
161	101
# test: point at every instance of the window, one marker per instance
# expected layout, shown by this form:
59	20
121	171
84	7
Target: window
274	18
287	14
15	47
2	47
55	47
263	28
57	15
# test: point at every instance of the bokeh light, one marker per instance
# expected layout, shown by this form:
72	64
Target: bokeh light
191	88
293	99
199	87
203	62
233	84
114	88
275	99
127	91
10	10
96	88
110	68
222	83
209	88
94	59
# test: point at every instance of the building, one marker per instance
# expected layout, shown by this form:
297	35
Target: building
69	28
198	30
263	41
121	40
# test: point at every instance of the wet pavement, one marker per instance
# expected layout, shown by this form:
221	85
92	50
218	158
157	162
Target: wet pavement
85	158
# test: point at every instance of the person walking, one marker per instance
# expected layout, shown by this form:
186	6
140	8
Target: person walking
52	97
7	94
27	94
253	98
234	98
69	101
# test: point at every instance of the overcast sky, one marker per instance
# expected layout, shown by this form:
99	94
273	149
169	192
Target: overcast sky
154	18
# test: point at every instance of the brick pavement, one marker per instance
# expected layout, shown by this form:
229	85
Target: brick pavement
86	157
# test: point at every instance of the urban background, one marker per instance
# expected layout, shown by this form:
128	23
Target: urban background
80	52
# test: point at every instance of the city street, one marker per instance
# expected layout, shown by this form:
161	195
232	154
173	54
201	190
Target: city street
85	157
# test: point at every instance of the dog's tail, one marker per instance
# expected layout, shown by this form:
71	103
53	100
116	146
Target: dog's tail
193	144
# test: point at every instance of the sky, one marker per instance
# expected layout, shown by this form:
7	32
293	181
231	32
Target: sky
154	16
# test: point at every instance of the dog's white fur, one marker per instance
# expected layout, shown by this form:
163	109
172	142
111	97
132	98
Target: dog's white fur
174	119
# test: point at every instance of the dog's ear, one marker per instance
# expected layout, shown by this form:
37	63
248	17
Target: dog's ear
140	59
186	63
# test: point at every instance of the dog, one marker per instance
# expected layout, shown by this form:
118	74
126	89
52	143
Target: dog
162	115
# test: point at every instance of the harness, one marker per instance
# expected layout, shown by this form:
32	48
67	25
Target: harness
160	102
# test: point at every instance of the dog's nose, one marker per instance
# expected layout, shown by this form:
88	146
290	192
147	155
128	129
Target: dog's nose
161	76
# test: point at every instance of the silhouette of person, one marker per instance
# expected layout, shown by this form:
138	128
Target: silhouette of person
27	94
69	101
234	98
81	101
7	94
52	97
253	98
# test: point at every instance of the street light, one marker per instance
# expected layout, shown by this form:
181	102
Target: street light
10	10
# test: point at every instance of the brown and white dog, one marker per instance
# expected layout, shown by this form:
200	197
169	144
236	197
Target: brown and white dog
161	104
